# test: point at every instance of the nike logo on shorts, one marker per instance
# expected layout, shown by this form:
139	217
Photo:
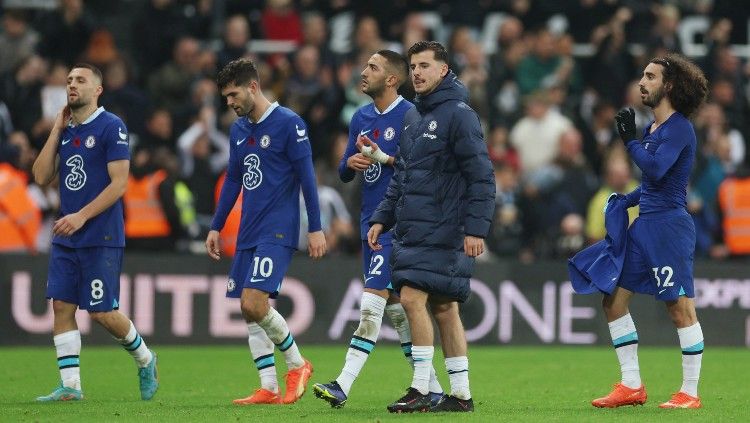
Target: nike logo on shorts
257	280
93	303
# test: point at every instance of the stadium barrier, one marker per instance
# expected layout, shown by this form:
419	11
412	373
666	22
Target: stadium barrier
177	299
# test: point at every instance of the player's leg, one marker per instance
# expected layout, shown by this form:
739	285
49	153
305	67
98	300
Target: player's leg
453	340
682	312
397	316
671	251
417	396
372	307
261	347
268	268
634	277
62	290
100	294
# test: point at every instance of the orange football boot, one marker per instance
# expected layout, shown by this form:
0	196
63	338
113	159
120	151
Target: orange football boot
261	396
622	395
682	400
296	382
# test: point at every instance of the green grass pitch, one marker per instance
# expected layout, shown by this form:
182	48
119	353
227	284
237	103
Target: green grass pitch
508	384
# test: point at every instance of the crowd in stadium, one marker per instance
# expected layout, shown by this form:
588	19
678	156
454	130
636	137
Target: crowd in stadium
546	86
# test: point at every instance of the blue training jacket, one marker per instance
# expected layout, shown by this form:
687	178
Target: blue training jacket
443	189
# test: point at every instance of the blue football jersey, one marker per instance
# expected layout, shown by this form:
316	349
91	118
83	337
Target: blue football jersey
84	152
261	159
665	157
385	129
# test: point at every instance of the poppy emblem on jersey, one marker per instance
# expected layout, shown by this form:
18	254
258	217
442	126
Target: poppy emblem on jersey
77	142
372	173
265	141
230	285
432	126
389	133
376	133
90	141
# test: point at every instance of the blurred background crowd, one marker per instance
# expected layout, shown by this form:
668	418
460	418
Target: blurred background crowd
545	77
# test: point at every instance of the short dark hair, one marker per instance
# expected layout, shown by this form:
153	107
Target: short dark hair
237	72
397	63
689	87
97	73
437	49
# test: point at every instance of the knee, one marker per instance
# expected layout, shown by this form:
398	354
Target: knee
101	317
682	317
613	309
253	310
445	313
63	309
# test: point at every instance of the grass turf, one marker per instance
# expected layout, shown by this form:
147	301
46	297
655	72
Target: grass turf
508	384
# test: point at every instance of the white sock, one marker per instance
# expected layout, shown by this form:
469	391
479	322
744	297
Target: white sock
691	342
278	331
261	348
68	347
422	356
136	346
364	339
458	373
625	341
398	319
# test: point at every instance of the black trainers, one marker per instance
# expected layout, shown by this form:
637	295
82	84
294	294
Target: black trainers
411	402
451	403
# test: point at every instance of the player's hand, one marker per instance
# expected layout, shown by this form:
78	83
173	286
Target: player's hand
212	245
371	150
62	117
69	224
473	246
625	120
358	162
316	244
372	236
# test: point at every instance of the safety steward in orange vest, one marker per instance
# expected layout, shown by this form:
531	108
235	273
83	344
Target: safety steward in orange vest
228	235
734	199
20	218
149	204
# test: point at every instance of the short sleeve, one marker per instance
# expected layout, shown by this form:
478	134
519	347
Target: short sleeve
116	141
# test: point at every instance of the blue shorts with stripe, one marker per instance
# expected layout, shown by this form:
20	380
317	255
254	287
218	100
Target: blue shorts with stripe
377	269
262	267
88	276
659	256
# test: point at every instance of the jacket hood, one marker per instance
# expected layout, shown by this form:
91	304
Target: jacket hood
450	88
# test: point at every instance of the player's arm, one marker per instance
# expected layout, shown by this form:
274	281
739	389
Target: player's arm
45	165
475	166
316	240
353	161
370	149
657	165
230	189
118	175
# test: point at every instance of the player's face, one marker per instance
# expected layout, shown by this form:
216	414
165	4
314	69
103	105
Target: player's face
241	98
83	87
652	85
426	72
374	76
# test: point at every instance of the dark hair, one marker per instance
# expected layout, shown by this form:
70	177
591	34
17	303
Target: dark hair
237	72
437	49
397	63
688	86
97	73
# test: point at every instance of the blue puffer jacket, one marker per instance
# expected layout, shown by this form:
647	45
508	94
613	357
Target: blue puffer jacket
443	189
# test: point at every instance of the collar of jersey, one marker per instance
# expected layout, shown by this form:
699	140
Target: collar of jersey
93	116
270	109
389	108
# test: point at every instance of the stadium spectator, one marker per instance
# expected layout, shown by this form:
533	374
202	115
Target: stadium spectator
235	41
20	218
17	41
281	21
156	20
123	97
21	90
505	238
618	179
158	131
170	85
543	67
65	32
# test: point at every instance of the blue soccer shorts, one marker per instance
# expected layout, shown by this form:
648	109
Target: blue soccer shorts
262	267
659	256
376	266
88	277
